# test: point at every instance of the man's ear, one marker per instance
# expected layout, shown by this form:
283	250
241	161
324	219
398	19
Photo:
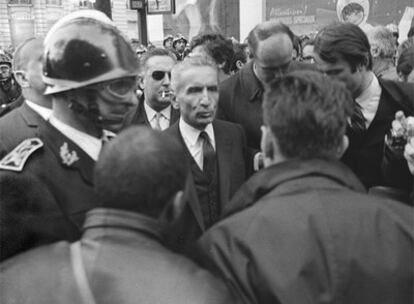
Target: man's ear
21	78
239	64
343	146
375	52
174	208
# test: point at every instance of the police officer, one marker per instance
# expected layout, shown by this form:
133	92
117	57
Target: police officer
90	71
10	91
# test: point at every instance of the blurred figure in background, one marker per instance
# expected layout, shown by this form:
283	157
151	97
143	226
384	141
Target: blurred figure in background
405	64
383	51
307	51
218	48
10	91
179	45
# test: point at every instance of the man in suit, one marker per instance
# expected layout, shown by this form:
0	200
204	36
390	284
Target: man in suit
92	89
271	44
216	149
154	107
24	121
342	51
121	257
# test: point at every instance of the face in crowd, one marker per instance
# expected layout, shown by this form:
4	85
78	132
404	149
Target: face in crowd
197	95
157	81
268	63
5	72
180	45
342	70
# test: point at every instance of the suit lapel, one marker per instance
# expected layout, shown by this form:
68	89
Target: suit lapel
67	153
175	115
191	194
224	152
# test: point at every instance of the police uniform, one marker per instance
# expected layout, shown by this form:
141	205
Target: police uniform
65	170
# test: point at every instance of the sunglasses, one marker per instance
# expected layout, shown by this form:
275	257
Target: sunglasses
159	75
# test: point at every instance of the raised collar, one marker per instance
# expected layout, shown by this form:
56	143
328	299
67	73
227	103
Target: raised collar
44	112
251	85
268	179
98	221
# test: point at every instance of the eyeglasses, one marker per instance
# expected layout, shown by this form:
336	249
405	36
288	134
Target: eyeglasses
119	87
159	75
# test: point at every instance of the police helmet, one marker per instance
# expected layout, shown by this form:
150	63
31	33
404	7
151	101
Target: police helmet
85	48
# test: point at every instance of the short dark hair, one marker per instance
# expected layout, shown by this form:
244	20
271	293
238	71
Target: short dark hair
307	113
264	30
156	52
405	62
140	171
351	8
344	41
216	46
239	54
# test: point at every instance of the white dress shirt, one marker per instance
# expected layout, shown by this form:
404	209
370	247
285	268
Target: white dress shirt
91	145
152	118
369	100
44	112
193	142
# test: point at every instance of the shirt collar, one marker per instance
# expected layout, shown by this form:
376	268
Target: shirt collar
372	92
191	134
91	145
166	113
44	112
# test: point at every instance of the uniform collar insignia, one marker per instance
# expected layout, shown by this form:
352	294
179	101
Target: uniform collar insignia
68	158
16	159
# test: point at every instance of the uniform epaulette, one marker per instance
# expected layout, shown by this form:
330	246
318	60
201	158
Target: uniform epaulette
16	159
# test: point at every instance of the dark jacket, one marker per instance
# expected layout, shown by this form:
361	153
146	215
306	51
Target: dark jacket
240	101
305	233
233	170
124	260
365	152
18	125
58	212
139	116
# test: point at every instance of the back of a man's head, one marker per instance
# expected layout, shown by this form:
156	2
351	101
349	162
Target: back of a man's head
307	114
28	50
140	171
264	30
382	42
344	41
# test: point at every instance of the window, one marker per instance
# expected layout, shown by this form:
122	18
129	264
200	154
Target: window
25	2
54	2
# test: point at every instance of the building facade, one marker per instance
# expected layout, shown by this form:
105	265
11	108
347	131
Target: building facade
22	19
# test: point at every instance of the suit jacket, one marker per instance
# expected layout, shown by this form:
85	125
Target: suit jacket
66	193
139	117
124	261
240	101
365	151
233	169
18	125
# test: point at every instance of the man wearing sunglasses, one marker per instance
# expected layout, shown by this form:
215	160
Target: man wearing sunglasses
154	107
90	70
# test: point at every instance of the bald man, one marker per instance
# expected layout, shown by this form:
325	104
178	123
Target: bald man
271	44
24	121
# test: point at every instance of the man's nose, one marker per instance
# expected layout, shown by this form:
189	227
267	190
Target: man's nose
167	79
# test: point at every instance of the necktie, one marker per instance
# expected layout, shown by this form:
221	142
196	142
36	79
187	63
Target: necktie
157	121
358	119
209	155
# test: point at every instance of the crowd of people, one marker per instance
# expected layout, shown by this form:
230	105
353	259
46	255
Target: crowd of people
279	170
